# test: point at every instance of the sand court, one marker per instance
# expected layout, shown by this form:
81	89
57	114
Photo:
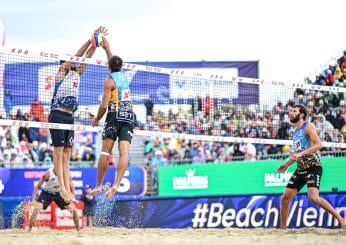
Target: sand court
158	236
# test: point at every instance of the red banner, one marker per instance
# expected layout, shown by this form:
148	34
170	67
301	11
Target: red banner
54	217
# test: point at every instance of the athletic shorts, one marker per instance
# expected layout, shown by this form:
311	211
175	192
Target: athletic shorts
310	176
61	137
114	129
47	198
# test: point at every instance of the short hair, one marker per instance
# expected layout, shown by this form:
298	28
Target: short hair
115	63
302	109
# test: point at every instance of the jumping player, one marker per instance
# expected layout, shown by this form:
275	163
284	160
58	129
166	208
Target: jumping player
119	123
64	104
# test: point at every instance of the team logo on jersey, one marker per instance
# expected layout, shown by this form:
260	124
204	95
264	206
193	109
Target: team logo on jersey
297	145
125	95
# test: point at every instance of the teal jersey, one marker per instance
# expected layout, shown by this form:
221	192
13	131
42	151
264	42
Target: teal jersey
302	142
120	97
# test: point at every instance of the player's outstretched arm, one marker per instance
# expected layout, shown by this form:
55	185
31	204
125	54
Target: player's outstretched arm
43	179
82	67
81	51
105	46
107	90
89	51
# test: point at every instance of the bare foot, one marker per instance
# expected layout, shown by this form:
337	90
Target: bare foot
72	198
111	192
96	190
65	195
343	225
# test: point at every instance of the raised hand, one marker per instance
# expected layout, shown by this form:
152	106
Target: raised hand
104	44
102	30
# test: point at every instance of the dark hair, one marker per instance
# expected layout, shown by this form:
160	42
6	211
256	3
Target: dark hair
115	63
302	110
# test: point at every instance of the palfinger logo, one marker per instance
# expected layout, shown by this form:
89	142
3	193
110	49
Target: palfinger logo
190	181
276	179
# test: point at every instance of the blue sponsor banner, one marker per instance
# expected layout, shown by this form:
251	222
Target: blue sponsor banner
201	212
243	93
29	81
219	212
21	182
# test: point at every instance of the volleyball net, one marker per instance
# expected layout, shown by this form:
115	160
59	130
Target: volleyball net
185	104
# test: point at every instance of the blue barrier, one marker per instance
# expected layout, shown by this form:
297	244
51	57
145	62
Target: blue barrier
259	211
20	182
220	212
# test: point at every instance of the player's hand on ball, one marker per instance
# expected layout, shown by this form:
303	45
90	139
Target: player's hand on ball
102	30
104	43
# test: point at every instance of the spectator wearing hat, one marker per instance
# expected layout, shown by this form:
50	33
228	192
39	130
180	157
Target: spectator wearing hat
27	162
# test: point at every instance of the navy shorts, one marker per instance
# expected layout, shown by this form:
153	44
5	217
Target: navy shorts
47	198
310	176
61	137
113	129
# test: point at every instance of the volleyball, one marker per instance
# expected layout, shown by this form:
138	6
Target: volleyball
96	39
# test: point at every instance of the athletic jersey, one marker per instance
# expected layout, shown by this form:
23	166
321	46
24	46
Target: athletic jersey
52	185
302	142
66	91
120	97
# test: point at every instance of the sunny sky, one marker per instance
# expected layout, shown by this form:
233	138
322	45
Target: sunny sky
291	38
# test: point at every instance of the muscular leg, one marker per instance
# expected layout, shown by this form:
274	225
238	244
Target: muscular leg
102	166
73	210
124	147
59	171
38	207
286	199
66	172
314	196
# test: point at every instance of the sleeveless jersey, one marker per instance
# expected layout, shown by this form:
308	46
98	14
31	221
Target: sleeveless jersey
52	185
120	101
300	143
66	91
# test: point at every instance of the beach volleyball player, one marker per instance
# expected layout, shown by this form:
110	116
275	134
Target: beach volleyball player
49	193
64	104
119	122
306	144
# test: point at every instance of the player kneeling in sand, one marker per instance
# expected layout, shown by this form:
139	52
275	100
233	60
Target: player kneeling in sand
51	192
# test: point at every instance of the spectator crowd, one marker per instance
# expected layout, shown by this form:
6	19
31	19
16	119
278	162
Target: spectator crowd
28	147
327	111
